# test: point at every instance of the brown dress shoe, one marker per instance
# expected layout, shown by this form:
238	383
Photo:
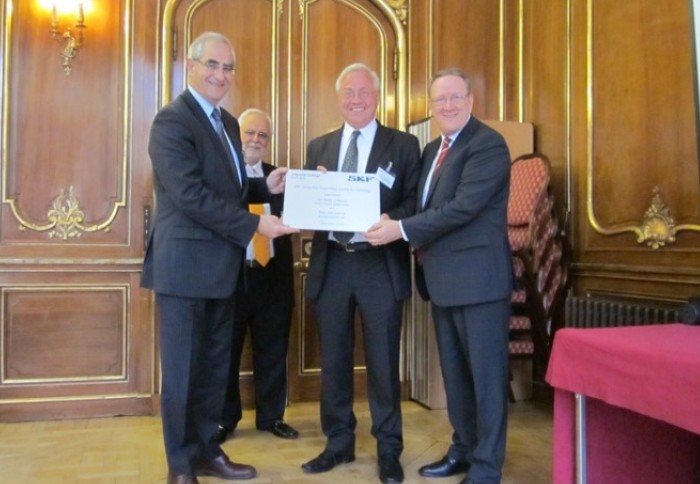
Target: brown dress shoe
223	468
181	479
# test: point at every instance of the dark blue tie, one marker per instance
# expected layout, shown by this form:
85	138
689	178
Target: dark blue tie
216	114
350	165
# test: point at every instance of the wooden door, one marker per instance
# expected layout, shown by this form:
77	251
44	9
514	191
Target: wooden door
289	54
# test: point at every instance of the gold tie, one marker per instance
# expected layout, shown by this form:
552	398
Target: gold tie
261	244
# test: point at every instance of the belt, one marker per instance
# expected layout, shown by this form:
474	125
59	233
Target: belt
351	246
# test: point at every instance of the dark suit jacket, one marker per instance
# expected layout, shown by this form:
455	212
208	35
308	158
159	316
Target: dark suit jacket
462	230
202	224
275	281
394	151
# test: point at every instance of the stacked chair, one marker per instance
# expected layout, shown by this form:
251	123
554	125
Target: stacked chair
537	245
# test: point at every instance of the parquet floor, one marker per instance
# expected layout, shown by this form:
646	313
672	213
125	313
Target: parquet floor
129	449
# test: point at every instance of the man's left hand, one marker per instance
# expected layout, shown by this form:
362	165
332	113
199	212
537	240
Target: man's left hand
275	180
383	232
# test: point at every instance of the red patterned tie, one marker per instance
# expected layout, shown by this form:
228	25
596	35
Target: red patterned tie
444	148
443	152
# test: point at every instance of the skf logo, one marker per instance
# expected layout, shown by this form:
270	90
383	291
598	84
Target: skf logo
359	178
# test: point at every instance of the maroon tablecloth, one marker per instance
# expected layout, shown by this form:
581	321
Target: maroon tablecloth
643	416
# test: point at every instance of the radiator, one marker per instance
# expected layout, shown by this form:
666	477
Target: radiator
588	312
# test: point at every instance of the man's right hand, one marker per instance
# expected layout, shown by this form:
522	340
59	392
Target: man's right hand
271	226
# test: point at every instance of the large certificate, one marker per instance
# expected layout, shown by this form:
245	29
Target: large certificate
333	200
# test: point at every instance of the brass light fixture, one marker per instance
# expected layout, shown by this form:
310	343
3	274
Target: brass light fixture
71	38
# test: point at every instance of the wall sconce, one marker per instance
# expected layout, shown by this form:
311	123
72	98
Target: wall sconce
71	38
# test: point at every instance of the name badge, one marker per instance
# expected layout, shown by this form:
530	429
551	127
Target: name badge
386	177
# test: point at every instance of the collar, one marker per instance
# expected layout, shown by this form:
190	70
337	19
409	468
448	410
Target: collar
203	103
367	132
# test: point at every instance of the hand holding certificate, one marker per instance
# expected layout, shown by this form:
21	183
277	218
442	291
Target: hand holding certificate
342	201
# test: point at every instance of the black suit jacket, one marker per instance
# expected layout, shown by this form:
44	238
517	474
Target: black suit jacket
275	281
202	224
394	151
462	229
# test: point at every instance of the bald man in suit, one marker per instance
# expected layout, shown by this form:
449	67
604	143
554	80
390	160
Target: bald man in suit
464	267
195	253
347	275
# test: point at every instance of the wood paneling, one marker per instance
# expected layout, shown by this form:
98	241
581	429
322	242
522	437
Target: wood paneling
633	129
643	115
77	331
467	35
60	133
546	89
45	327
608	86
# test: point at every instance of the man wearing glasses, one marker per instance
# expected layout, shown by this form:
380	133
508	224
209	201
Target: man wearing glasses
194	256
464	267
264	305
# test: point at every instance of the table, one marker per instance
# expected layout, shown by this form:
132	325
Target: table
641	386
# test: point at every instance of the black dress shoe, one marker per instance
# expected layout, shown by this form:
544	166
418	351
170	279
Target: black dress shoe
326	461
223	468
283	430
222	434
181	479
390	470
445	467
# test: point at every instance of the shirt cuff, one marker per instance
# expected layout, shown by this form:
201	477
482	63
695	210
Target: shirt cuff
403	234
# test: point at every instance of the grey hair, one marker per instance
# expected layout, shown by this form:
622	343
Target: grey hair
453	71
250	111
197	46
357	66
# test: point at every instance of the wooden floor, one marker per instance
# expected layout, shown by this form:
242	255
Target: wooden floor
129	449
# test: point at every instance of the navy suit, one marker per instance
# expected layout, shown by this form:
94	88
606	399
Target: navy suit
265	306
193	260
375	281
467	274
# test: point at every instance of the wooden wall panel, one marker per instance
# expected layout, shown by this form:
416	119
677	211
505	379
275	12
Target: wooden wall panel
607	85
45	328
321	61
467	35
642	115
74	343
547	87
632	129
609	89
60	133
420	28
77	333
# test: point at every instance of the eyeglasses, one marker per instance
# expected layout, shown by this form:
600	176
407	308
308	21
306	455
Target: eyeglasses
252	133
455	100
213	66
363	94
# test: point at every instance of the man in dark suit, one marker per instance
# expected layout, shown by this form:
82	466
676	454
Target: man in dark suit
464	267
194	256
264	304
345	275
